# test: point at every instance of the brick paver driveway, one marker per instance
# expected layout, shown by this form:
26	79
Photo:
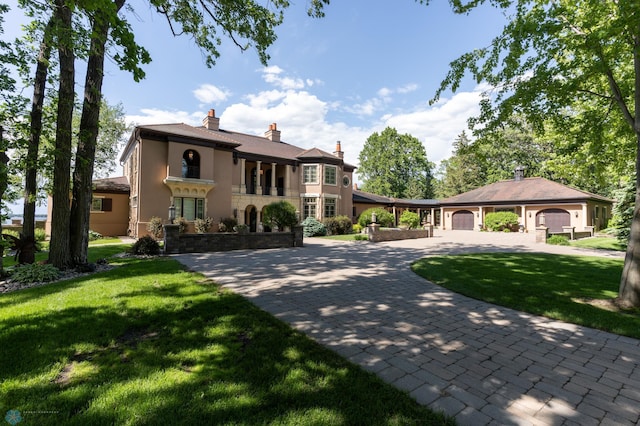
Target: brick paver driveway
481	363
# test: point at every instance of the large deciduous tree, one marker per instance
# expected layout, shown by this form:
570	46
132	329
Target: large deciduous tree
395	165
553	55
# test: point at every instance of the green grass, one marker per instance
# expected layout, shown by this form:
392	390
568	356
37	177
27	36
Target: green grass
600	243
150	343
96	251
542	284
105	240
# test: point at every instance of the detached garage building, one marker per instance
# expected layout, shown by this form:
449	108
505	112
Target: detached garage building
535	200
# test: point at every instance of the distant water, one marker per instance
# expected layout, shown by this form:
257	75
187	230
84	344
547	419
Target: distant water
19	216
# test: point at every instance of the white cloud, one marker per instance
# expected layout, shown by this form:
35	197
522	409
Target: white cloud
157	116
210	94
412	87
272	75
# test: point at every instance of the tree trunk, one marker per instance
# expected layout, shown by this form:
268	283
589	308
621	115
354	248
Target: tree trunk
31	167
4	160
88	136
59	253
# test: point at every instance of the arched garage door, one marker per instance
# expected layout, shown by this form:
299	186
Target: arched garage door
463	220
554	219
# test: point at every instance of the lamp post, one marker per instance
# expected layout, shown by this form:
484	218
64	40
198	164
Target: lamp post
374	217
172	213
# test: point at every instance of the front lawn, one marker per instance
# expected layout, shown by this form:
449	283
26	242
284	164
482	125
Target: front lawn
599	243
574	289
150	343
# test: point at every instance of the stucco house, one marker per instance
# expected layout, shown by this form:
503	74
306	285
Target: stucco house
208	171
425	208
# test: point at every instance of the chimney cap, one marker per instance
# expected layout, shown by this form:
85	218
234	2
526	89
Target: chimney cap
212	113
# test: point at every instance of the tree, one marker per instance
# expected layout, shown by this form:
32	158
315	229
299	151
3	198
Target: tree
280	214
552	56
395	165
463	171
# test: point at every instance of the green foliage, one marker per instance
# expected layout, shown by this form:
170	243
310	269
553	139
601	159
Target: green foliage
146	246
227	224
395	165
281	214
356	228
203	226
154	227
361	237
558	240
623	210
338	225
93	235
241	229
35	273
410	219
383	217
313	228
501	221
39	234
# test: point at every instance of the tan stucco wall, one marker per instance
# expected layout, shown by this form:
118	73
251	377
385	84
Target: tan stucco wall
115	222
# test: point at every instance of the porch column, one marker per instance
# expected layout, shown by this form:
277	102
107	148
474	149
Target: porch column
287	180
523	216
258	178
442	218
243	177
584	216
274	190
480	218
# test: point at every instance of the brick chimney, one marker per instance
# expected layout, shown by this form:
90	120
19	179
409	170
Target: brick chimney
211	122
338	152
273	134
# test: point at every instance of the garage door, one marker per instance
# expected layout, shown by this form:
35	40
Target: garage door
554	219
463	220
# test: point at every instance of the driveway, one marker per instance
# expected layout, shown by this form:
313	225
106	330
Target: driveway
478	362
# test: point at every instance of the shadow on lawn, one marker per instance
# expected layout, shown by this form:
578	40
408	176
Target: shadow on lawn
170	353
364	302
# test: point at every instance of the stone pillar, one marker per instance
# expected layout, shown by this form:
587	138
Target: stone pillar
542	232
372	230
298	236
274	190
569	230
258	178
171	239
243	176
480	218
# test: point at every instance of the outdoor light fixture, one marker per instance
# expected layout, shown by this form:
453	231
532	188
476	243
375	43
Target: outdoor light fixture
541	219
172	213
576	214
529	214
374	217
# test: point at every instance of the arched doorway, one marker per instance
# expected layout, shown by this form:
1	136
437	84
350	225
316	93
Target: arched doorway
554	219
462	220
251	218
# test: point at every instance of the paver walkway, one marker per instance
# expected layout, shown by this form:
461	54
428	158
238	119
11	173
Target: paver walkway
481	363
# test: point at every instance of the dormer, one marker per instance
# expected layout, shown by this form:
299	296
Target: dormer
273	134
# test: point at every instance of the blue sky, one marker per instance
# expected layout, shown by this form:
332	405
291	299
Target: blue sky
367	65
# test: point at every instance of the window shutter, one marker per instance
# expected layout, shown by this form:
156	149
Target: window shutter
106	204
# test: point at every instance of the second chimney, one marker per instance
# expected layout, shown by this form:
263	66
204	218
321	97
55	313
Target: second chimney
338	152
273	134
211	122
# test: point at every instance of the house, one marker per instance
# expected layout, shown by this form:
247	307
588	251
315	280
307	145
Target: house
426	209
207	171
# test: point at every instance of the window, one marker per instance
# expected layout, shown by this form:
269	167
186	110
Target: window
309	207
330	175
101	205
191	164
346	181
189	208
310	174
329	207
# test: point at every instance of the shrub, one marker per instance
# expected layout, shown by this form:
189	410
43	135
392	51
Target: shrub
558	240
356	228
182	224
499	221
313	228
154	227
384	218
227	224
39	234
338	225
146	246
361	237
93	235
203	225
410	219
623	211
241	229
35	273
281	214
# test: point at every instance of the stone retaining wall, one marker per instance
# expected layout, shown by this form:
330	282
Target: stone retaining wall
175	243
377	235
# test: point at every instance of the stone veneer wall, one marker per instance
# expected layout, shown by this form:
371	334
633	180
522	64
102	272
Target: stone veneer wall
377	235
175	243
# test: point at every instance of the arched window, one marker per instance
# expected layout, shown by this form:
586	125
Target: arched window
191	164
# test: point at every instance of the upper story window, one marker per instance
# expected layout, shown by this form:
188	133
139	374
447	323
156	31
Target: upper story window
310	173
330	175
191	164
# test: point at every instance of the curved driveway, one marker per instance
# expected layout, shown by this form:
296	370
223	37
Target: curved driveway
478	362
